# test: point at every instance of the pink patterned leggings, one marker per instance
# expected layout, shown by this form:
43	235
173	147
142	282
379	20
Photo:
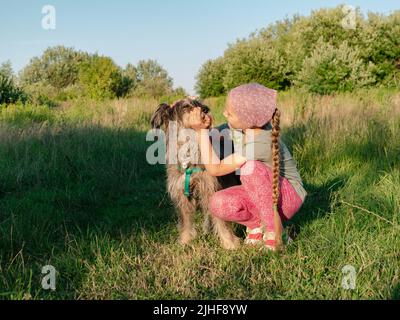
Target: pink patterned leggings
250	203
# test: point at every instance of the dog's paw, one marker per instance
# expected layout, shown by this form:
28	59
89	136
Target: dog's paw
187	236
231	244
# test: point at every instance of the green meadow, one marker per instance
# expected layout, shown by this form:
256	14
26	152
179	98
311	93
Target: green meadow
77	193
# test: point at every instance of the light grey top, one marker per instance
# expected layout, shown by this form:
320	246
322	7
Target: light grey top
259	147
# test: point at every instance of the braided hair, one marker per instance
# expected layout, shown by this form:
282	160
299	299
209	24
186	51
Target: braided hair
275	155
276	170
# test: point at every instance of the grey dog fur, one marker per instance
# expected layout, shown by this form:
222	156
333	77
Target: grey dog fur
202	184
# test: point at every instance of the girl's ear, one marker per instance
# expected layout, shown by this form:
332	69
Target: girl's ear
160	116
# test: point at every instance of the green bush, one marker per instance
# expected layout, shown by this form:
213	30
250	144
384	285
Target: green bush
9	91
330	69
40	93
287	53
177	94
299	36
53	77
210	79
381	45
130	74
61	74
102	79
255	60
152	80
57	66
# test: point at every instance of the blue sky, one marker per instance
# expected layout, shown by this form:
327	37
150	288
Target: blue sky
180	34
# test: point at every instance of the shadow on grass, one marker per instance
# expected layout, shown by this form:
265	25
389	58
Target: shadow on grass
317	204
67	195
376	149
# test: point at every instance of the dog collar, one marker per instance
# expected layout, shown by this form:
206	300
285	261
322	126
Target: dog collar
188	174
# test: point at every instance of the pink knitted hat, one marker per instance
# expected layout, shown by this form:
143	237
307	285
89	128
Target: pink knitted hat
253	103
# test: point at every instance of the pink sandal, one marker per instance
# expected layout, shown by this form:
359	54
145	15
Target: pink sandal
254	236
270	241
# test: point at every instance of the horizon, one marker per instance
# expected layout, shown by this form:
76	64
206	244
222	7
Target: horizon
163	32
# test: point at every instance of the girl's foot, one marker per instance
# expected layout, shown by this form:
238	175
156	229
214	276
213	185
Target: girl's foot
270	241
254	236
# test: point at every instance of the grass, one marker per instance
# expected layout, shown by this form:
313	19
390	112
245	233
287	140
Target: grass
76	192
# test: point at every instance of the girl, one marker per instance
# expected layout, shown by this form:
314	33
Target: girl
271	188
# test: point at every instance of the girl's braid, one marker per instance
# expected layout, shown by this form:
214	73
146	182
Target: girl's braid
275	155
276	170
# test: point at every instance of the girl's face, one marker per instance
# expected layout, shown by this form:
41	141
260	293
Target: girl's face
232	118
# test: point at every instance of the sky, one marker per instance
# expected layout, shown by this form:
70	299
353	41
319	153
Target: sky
180	34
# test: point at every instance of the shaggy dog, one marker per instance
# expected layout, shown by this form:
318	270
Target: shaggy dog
189	185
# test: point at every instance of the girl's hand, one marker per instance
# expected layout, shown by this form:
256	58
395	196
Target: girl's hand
199	120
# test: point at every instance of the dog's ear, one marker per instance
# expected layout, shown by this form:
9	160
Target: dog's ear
160	116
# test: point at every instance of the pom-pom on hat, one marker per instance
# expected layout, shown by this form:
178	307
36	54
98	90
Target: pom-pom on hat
253	104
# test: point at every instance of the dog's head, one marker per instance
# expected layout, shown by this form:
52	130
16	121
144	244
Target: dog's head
178	111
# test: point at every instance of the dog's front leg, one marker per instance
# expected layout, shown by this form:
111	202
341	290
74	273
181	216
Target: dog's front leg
186	227
207	223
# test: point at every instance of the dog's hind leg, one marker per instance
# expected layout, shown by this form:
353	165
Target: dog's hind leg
227	238
207	223
221	228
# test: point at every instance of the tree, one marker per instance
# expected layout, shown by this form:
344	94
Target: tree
9	91
210	79
57	66
180	92
381	45
152	79
330	69
287	53
131	75
102	79
255	60
6	70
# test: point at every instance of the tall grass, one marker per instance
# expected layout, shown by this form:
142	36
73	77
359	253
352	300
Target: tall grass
76	192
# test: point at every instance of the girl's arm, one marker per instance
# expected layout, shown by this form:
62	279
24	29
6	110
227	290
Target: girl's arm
211	161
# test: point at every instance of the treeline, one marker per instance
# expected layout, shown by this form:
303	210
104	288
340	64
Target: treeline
61	73
319	53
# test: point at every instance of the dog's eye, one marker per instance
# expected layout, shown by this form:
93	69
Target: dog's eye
205	110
